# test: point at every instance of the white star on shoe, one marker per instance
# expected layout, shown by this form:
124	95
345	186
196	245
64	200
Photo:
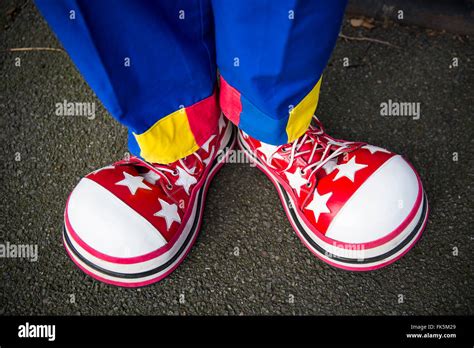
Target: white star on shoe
185	179
319	204
150	176
268	150
373	149
169	212
348	169
133	183
329	166
296	180
205	146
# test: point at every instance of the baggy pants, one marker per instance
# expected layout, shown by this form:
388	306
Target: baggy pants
154	64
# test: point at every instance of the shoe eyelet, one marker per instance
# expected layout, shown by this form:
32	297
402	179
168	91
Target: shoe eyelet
302	171
175	172
169	186
285	149
308	184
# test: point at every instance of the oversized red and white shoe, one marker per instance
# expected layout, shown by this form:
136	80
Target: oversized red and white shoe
355	206
132	223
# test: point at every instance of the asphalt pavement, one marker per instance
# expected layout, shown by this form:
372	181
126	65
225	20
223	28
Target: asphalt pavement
247	259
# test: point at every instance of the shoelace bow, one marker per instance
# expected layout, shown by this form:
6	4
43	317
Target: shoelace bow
330	147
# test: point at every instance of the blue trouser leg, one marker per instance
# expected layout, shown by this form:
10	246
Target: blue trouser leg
271	55
145	60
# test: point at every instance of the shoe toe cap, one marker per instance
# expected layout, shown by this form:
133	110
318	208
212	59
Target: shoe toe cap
98	220
388	200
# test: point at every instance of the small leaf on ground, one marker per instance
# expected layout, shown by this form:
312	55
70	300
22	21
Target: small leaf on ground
367	23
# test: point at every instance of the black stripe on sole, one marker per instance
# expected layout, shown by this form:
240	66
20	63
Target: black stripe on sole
140	274
377	258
